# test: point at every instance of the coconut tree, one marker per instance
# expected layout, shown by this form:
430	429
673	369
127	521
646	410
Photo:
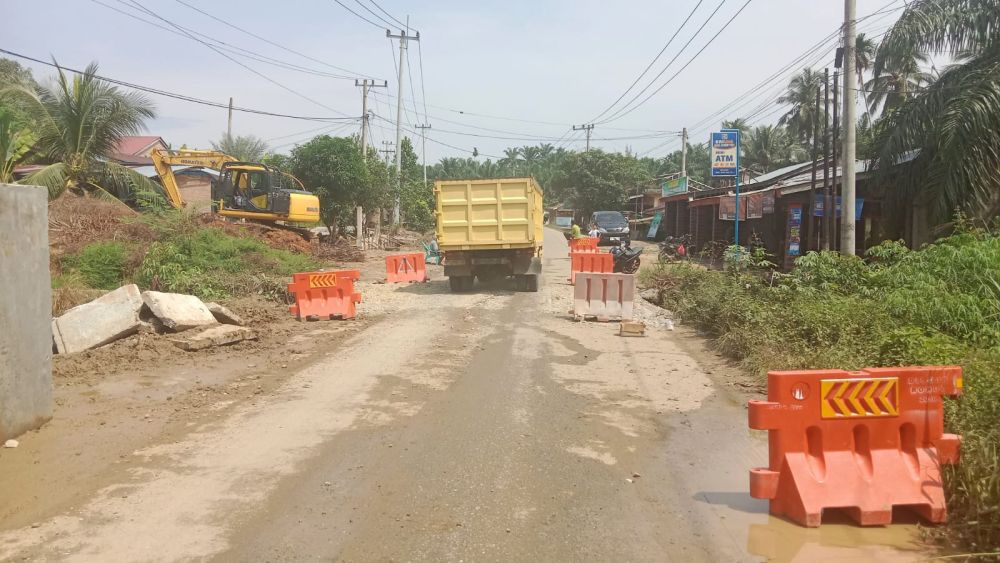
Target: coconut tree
801	99
246	148
953	123
899	79
511	159
768	147
78	122
15	142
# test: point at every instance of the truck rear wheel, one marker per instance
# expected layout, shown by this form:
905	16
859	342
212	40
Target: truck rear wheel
460	283
531	283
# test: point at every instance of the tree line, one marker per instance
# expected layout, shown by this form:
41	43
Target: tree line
944	122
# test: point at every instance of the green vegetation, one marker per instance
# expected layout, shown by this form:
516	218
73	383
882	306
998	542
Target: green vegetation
186	258
938	305
100	265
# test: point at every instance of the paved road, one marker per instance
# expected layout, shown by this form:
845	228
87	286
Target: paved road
476	427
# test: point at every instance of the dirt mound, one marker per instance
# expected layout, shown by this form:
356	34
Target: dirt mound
277	238
75	222
341	250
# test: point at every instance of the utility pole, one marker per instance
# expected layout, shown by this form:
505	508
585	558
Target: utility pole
588	128
836	134
403	37
684	152
365	126
387	150
423	147
810	216
827	219
229	128
847	227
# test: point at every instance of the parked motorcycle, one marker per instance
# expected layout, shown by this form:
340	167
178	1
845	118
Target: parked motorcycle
673	249
626	259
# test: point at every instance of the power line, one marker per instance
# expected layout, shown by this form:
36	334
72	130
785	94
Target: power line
174	95
234	49
247	67
652	62
387	13
378	17
619	115
344	6
269	42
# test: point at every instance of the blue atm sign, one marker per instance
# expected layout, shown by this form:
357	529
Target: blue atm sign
725	145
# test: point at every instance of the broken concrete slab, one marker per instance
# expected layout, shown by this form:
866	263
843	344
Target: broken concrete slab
178	311
224	315
218	335
112	316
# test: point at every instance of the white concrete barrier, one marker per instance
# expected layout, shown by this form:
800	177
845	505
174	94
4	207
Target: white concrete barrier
605	297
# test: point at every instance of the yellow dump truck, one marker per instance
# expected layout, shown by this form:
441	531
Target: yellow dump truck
490	229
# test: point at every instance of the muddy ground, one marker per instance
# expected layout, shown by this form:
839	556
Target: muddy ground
435	427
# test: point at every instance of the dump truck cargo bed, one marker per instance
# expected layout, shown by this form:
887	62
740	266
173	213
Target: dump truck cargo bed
490	229
484	214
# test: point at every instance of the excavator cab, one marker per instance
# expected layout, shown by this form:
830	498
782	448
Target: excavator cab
246	188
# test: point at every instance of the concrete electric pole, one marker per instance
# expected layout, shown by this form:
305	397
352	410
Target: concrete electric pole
588	128
684	152
387	150
365	126
403	38
847	226
423	147
229	127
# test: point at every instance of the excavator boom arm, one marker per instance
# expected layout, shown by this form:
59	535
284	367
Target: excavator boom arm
163	160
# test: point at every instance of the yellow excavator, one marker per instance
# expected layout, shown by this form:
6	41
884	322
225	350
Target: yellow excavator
244	190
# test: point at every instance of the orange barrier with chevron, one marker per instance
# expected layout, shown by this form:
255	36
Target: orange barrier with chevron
405	268
583	244
602	263
861	441
324	295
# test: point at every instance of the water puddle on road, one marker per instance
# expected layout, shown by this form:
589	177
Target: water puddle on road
714	451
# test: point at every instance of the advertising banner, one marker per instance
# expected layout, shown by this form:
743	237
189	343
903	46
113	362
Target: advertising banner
725	145
676	186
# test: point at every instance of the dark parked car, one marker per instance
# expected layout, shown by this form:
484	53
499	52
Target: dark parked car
613	227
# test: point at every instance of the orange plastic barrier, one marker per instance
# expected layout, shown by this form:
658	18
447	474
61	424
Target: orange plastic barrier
405	268
583	244
864	441
324	295
602	263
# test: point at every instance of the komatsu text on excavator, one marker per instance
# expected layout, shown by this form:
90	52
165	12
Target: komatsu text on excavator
245	190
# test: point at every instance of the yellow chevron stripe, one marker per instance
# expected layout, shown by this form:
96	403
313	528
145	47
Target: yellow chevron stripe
880	400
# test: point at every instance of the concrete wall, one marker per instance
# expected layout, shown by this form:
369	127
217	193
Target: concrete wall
25	310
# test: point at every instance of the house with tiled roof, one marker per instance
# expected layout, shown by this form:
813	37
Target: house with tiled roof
135	150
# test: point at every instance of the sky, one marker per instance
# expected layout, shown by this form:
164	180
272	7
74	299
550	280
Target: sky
526	71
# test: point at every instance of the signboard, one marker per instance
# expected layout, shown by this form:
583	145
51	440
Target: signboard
727	208
654	225
819	204
755	206
676	186
725	145
768	202
794	231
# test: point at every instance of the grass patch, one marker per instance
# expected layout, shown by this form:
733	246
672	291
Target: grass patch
185	256
937	305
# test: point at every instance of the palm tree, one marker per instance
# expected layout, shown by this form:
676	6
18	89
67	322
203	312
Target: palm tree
864	57
79	121
246	148
738	123
897	81
801	96
954	122
768	147
511	159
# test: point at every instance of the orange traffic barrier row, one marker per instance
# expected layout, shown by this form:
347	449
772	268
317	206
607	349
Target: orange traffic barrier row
863	441
590	262
324	295
604	296
583	244
405	268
